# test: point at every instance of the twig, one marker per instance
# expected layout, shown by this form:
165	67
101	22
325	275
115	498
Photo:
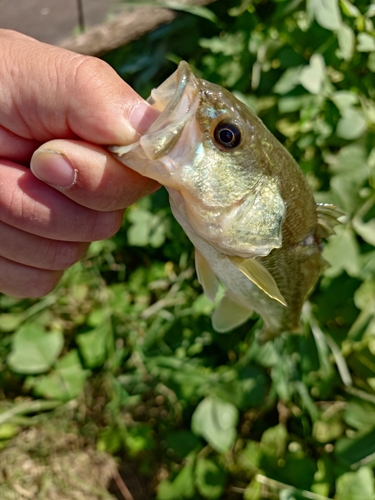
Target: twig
81	17
124	28
282	486
28	407
122	487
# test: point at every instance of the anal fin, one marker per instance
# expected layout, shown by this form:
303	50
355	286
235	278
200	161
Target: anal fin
229	314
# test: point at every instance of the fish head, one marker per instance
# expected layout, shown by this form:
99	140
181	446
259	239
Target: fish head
213	155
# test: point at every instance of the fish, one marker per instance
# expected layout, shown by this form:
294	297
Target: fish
241	199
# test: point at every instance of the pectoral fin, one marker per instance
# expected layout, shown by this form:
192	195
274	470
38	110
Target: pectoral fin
259	275
205	275
229	314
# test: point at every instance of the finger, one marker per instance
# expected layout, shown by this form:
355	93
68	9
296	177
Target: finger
32	206
24	281
89	175
16	148
58	93
31	250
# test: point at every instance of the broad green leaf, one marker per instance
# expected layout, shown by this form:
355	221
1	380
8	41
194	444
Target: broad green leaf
288	81
366	43
216	420
312	76
357	449
345	99
66	381
34	350
342	253
352	124
210	478
360	415
274	441
326	13
93	345
346	40
357	485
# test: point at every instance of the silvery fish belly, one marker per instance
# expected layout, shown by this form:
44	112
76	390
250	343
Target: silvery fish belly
241	199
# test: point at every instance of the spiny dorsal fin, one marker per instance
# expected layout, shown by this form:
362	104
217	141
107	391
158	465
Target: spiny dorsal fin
259	275
229	314
206	277
327	218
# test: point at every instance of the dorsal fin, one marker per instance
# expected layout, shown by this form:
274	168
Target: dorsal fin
259	275
327	218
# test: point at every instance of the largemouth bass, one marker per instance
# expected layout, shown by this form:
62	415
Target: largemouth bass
241	199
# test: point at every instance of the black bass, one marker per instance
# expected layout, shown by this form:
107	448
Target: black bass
241	199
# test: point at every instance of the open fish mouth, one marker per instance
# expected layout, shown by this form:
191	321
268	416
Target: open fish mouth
177	100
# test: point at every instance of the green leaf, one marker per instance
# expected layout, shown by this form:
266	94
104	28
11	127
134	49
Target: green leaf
147	228
10	322
288	81
357	485
65	382
210	478
360	415
366	43
216	420
355	450
93	345
342	253
274	441
352	124
33	350
182	442
326	13
312	76
346	40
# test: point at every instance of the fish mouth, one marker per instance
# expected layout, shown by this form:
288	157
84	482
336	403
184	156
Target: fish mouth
177	101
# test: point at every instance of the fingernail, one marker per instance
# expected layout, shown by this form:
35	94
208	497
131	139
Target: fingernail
52	167
142	117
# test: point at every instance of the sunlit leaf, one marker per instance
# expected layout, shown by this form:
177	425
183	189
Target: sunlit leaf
346	40
216	420
357	485
326	13
342	253
34	350
366	43
65	382
312	76
352	124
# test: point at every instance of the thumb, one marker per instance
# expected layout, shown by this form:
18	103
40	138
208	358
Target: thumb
57	93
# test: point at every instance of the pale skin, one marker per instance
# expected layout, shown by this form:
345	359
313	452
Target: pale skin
59	187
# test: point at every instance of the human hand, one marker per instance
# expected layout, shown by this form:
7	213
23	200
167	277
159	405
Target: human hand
75	192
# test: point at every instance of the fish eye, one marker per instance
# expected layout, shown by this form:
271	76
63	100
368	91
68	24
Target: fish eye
227	135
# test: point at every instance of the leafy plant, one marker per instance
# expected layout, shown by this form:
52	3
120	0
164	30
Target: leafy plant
201	414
